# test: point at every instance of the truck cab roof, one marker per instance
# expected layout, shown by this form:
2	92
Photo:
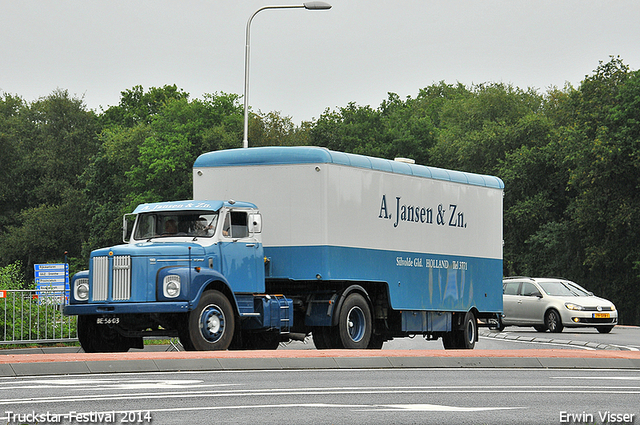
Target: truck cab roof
191	205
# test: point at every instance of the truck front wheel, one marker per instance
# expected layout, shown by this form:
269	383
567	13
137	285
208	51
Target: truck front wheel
211	324
354	323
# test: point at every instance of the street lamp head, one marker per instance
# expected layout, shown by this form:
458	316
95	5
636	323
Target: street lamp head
310	5
316	5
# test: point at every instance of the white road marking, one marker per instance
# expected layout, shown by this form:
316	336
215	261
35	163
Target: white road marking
568	346
269	392
614	378
353	407
432	408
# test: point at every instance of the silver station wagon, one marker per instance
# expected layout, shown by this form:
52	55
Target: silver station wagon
553	304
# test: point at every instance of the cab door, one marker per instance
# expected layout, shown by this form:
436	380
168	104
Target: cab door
242	254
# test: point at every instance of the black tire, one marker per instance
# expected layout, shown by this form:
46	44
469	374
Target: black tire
261	340
540	328
319	339
376	342
329	338
96	338
604	329
553	322
463	338
449	342
354	322
210	325
469	332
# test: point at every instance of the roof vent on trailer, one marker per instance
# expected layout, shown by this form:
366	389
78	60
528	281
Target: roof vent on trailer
405	160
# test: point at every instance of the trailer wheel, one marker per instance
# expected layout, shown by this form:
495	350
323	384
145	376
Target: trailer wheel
211	324
354	322
470	331
96	338
462	338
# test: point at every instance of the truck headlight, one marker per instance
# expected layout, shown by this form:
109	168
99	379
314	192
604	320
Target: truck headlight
574	307
81	289
171	286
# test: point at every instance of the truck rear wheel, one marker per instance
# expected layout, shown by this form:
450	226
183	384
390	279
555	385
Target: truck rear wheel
211	324
354	322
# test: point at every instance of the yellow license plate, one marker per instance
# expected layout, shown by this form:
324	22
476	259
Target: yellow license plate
600	315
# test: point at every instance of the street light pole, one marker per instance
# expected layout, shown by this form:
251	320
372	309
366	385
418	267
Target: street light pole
312	5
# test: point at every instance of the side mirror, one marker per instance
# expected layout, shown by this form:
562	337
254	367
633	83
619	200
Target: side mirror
255	223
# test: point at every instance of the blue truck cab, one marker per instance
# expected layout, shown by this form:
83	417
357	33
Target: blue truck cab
192	269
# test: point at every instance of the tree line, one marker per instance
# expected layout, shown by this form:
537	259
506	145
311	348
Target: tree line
569	157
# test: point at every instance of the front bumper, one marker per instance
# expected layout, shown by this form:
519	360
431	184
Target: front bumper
589	319
127	308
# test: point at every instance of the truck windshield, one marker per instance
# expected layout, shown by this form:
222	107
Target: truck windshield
172	224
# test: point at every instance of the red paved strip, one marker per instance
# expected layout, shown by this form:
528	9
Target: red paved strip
83	357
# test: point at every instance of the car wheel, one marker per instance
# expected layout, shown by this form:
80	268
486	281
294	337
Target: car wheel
540	328
553	322
604	329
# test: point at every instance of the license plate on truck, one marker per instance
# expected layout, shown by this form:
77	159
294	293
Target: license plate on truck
107	320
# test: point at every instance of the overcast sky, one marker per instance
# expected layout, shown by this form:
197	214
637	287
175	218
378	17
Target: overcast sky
303	62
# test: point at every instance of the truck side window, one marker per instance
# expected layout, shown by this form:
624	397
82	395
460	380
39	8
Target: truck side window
236	225
239	222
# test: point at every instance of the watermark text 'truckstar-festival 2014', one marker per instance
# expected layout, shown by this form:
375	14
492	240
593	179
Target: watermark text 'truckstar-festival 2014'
138	416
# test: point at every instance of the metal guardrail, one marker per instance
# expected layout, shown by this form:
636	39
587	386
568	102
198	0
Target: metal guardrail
35	316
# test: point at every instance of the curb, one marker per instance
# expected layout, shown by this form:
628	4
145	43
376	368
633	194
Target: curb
508	337
21	365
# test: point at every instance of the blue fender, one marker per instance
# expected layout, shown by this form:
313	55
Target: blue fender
195	283
343	296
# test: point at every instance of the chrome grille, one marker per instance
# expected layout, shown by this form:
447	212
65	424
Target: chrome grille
121	277
100	278
120	273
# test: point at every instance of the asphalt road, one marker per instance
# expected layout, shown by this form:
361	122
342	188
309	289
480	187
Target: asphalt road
520	338
357	396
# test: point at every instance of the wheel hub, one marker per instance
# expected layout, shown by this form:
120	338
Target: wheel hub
212	322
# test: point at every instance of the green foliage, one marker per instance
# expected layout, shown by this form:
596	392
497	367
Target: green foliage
11	277
570	160
49	143
148	146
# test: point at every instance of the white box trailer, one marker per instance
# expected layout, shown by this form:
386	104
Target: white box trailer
422	245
